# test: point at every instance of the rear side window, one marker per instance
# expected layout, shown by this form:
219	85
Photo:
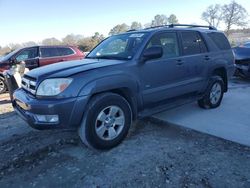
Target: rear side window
220	40
49	52
65	51
192	43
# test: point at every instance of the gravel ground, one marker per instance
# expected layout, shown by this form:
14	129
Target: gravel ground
155	154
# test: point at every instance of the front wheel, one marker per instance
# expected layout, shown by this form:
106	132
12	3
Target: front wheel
3	87
214	94
106	122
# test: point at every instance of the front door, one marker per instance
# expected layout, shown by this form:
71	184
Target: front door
29	56
160	77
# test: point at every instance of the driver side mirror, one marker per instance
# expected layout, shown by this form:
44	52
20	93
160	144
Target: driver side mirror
13	61
153	52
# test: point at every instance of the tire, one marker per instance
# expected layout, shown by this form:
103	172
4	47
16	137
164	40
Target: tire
214	94
106	122
3	86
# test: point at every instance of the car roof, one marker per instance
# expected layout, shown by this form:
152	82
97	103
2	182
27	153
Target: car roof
48	46
177	27
51	46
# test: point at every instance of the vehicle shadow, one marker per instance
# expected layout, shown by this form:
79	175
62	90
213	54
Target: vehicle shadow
6	115
5	101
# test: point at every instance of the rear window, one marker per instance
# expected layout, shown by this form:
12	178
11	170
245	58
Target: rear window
65	51
220	40
49	52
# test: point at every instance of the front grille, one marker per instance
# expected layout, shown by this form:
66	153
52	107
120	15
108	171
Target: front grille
29	84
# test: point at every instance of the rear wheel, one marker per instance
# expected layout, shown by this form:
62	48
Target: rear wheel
214	94
3	87
106	122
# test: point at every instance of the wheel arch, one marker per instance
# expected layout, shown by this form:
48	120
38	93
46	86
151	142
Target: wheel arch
222	72
1	75
121	85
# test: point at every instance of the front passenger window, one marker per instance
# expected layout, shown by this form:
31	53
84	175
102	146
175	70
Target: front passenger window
169	43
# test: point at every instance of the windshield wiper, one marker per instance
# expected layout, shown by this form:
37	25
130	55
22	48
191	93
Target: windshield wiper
90	57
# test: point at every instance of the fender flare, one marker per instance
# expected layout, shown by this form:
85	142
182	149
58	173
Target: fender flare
114	83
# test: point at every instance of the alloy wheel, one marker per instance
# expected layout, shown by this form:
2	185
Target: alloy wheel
110	123
215	93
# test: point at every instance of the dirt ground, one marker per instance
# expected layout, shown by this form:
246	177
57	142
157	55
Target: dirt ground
155	154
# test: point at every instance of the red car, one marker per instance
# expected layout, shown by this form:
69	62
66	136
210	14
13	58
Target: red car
38	56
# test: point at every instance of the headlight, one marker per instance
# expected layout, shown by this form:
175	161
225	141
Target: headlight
52	87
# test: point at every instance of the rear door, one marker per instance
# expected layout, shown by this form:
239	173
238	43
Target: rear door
49	55
195	61
29	56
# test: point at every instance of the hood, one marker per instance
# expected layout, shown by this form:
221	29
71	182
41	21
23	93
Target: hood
68	68
241	53
2	61
4	65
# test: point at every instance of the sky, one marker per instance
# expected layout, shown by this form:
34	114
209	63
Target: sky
34	20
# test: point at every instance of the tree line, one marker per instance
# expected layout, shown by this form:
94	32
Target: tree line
84	43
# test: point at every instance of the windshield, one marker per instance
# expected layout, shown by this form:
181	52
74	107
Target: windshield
121	47
6	57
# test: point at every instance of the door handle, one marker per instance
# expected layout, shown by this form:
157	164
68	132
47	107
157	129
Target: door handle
179	62
207	58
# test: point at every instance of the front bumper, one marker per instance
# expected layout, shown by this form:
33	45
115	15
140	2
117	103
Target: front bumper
243	67
70	110
243	64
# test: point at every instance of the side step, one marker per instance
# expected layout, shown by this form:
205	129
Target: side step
173	103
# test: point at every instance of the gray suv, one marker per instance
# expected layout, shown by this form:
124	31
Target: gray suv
126	77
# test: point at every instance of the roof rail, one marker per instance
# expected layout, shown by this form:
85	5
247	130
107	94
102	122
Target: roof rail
182	25
130	30
188	25
152	27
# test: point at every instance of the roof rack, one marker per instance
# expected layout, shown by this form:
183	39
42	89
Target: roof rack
183	25
188	25
130	30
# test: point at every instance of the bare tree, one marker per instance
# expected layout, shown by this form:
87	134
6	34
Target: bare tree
147	25
71	39
119	29
29	43
5	50
172	19
13	46
136	25
212	15
51	41
159	20
234	14
88	43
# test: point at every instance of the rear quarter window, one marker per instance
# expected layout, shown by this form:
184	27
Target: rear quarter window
65	51
220	40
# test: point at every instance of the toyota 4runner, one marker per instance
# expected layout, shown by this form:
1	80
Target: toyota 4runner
126	77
